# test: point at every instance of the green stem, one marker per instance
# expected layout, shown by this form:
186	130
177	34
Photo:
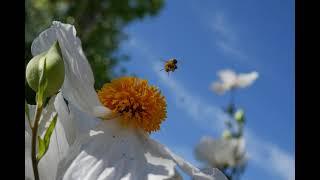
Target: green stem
34	141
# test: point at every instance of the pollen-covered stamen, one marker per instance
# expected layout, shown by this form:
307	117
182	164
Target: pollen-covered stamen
138	104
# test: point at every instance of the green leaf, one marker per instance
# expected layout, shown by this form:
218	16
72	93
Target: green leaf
50	130
43	82
45	142
41	148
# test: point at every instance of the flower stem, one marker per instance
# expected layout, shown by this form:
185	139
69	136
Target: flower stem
34	141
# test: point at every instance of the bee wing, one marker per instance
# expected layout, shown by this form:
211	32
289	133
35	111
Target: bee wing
161	59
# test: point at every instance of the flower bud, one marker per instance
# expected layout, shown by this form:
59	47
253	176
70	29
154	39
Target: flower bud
54	70
239	116
226	134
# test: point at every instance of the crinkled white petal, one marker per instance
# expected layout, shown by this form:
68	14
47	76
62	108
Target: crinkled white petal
74	122
112	152
78	86
188	168
58	148
220	152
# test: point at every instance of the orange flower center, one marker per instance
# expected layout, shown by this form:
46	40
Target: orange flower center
138	104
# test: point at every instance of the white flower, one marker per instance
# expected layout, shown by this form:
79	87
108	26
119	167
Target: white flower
221	152
230	80
117	148
78	82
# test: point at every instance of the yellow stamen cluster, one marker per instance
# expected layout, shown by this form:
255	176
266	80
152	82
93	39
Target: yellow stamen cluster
138	104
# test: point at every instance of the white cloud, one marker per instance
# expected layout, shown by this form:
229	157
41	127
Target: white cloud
262	153
226	37
270	157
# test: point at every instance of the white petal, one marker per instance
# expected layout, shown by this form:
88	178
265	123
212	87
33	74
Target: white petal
219	88
215	173
64	115
194	172
220	152
228	77
28	164
113	152
78	85
27	127
58	148
244	80
74	121
176	176
102	112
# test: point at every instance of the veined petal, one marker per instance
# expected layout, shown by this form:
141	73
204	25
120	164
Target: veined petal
28	164
111	151
78	86
188	168
74	121
58	148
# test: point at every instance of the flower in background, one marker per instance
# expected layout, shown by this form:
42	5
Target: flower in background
118	146
230	80
221	153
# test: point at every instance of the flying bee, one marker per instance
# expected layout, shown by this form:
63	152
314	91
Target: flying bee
170	65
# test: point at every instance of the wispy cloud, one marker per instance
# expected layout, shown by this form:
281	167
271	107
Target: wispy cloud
226	37
270	157
264	154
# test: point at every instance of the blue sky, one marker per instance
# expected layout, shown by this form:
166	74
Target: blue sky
207	36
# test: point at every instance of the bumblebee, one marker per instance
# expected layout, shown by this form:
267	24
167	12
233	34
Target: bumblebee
170	65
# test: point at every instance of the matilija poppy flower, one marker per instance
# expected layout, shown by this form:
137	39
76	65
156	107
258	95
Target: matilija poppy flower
221	152
118	147
230	80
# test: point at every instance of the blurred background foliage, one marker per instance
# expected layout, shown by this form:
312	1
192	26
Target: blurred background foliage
99	25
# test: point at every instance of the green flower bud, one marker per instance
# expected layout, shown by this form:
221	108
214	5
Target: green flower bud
239	116
226	134
54	72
